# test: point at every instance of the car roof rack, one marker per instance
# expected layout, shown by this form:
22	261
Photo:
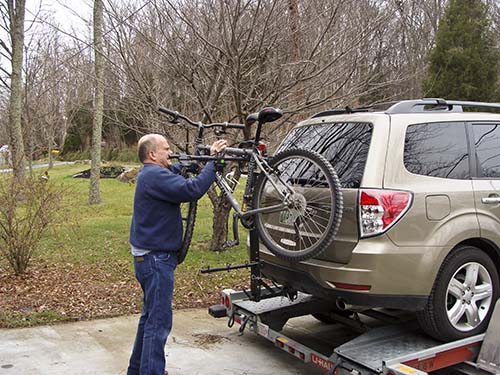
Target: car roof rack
340	111
436	104
413	106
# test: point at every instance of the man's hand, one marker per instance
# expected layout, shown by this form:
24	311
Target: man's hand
218	146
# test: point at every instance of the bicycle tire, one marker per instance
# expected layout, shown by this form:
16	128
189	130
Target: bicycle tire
317	198
188	213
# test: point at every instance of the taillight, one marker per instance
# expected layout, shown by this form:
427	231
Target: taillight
262	147
380	209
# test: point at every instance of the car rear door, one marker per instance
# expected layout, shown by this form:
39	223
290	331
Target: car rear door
485	137
431	159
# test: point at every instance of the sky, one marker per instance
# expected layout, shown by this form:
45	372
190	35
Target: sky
70	15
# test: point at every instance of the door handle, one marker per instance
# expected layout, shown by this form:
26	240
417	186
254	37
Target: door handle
490	200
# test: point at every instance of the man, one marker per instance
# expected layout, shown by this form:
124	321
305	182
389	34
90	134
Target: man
155	238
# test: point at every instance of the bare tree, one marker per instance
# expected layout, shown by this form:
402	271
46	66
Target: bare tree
94	193
16	10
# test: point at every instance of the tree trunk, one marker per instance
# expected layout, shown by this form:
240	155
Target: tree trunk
16	15
294	26
293	21
221	211
94	194
51	141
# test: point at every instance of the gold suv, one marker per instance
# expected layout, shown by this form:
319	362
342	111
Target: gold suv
420	227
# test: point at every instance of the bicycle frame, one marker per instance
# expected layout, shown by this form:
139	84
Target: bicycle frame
255	161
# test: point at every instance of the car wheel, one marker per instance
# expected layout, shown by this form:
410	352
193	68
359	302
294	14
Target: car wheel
463	296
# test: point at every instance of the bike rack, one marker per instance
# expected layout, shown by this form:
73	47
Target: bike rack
259	289
256	282
255	276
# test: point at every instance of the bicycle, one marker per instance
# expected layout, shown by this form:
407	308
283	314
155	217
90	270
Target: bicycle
293	199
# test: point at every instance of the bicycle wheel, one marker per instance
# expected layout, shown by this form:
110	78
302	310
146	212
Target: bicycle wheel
188	213
311	218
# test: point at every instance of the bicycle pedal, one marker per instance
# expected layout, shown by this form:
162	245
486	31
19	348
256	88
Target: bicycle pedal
230	243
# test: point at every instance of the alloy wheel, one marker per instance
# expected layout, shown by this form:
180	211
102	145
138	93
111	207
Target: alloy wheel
469	296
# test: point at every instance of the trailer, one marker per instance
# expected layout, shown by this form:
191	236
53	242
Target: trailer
378	343
372	342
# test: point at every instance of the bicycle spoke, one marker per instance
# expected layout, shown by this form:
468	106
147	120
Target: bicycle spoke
320	227
317	208
320	230
320	194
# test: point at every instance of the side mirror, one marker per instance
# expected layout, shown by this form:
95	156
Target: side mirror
251	118
269	114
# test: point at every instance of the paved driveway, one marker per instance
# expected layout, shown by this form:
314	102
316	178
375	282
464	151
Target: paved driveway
199	344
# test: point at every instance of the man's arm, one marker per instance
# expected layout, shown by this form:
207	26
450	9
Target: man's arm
165	184
168	186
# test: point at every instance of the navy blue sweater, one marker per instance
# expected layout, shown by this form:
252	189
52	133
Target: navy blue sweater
156	221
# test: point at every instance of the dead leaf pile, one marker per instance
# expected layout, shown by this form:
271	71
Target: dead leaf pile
83	291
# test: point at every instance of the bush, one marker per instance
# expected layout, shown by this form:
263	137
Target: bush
26	211
73	156
125	155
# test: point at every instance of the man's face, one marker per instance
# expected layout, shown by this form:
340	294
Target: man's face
162	153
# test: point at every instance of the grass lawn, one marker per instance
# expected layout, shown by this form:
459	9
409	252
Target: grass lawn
84	270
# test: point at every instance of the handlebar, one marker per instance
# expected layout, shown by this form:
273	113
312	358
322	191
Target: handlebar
228	150
168	111
223	125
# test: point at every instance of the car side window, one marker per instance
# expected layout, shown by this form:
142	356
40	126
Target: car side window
437	150
487	142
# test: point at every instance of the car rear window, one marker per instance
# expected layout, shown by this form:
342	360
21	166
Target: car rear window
437	150
344	144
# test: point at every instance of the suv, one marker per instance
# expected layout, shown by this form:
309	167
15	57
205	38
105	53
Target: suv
420	227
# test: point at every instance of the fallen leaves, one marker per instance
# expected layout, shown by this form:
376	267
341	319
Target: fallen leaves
90	291
206	340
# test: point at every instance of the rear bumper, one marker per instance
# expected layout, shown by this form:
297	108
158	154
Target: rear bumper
302	281
378	274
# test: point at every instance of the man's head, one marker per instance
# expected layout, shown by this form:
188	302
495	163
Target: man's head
154	149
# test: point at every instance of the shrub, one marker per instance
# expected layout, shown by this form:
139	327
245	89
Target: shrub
74	156
26	212
124	155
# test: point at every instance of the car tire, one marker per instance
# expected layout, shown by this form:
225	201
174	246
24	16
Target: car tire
188	214
463	296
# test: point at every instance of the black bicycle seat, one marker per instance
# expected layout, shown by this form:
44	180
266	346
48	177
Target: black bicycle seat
251	118
269	114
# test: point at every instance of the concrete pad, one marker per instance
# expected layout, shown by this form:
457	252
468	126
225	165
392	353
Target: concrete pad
199	344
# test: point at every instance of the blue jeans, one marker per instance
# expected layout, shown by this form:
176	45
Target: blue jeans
155	273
